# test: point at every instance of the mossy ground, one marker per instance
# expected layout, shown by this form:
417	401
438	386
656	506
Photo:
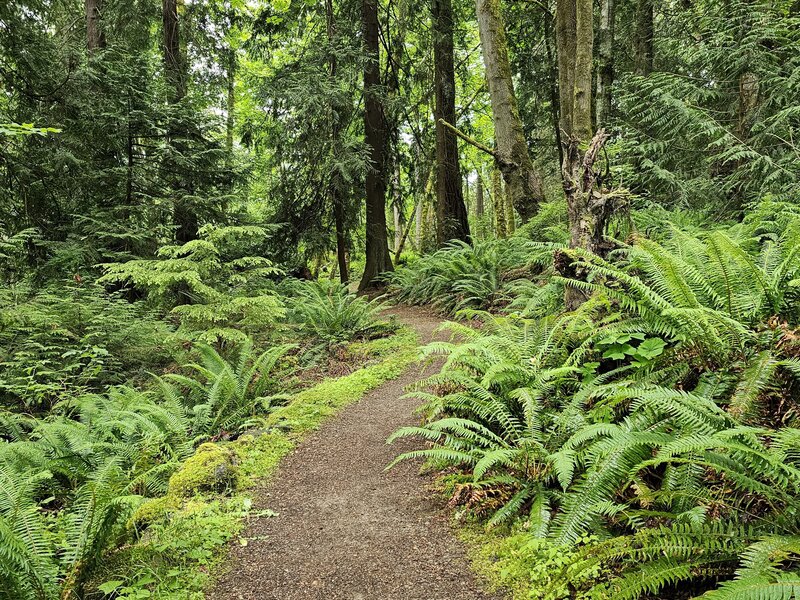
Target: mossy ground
184	534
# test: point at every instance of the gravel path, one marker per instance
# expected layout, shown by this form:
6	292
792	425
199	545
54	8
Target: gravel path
347	530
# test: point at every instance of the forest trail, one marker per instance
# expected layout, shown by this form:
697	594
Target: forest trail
346	529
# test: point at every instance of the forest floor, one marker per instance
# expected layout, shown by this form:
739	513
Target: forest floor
345	528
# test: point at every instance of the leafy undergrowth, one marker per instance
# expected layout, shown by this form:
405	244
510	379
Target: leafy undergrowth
644	445
209	499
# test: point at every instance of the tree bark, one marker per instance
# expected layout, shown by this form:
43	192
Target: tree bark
95	38
499	204
173	60
184	215
584	48
643	38
452	222
378	259
566	41
605	77
511	221
479	205
589	209
334	185
230	120
523	183
555	103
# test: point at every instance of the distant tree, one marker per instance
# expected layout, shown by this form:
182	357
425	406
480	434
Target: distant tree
378	259
451	213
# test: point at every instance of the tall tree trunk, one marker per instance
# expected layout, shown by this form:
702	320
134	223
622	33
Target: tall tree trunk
555	103
523	183
584	48
643	38
230	120
184	214
396	209
499	204
334	186
173	61
452	222
588	208
378	259
95	38
605	78
479	202
419	225
565	48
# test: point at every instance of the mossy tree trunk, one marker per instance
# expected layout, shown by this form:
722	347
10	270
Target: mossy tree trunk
605	76
523	183
588	208
499	204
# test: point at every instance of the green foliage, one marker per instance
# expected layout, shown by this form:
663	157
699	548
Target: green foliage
61	341
73	481
461	276
186	538
212	285
658	417
716	146
331	313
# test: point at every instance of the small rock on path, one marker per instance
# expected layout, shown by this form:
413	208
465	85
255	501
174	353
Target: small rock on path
346	529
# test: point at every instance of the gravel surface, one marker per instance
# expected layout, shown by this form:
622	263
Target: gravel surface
345	528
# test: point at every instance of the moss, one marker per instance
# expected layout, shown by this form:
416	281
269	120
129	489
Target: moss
212	468
385	346
310	407
154	510
259	456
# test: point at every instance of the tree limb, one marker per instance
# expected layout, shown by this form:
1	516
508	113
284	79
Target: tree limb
470	140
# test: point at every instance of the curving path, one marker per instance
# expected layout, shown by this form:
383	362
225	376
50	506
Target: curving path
347	530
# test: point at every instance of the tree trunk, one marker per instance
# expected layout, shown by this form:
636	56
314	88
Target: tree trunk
605	78
499	204
588	208
94	32
230	120
418	225
452	222
334	185
565	49
378	259
479	206
173	61
643	38
523	183
184	215
398	227
511	221
555	103
584	47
